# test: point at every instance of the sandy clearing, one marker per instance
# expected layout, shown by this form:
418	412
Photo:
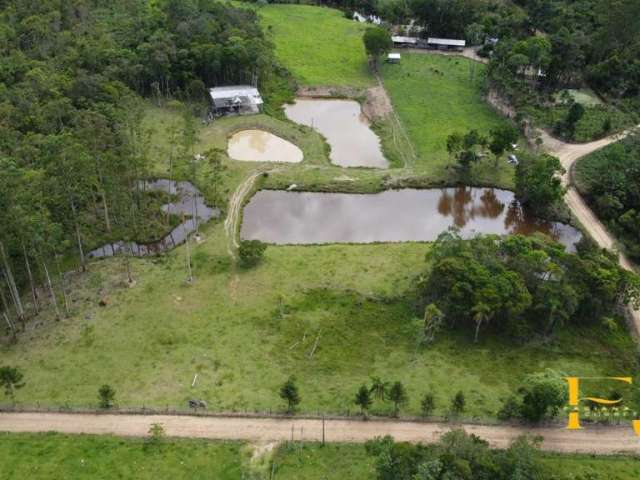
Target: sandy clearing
602	440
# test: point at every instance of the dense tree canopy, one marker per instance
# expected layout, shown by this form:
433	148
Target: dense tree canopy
521	285
610	179
72	148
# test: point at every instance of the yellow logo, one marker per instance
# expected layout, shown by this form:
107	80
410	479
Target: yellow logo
574	400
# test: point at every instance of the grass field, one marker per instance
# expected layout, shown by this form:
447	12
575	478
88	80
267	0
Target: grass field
245	331
318	45
436	95
85	457
52	456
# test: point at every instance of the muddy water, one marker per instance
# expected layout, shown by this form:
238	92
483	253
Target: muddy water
261	146
353	143
392	216
189	201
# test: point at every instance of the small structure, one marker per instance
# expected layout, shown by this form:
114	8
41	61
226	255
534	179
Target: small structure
404	42
237	99
393	58
446	44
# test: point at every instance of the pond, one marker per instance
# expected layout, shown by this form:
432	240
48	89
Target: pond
188	202
353	143
280	217
261	146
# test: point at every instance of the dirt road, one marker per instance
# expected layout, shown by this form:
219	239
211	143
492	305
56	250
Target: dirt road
602	440
569	153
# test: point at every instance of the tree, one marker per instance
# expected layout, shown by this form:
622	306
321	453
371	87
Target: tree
11	380
457	404
379	388
289	393
543	395
251	252
377	42
106	395
398	395
501	140
428	404
363	399
538	184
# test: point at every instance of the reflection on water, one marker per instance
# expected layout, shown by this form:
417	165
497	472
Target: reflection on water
391	216
353	143
189	202
261	146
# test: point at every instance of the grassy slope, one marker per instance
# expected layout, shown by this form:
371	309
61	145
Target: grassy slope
435	96
318	45
49	456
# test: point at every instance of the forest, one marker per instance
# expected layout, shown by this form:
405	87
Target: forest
610	180
73	76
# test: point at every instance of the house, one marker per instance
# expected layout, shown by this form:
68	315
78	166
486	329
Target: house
446	44
236	99
406	42
393	58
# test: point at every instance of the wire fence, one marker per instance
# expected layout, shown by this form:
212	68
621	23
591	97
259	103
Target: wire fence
350	415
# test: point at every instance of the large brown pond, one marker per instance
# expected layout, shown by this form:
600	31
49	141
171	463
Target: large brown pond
353	143
392	216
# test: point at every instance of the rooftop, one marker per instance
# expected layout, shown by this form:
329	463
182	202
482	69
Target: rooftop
447	41
399	39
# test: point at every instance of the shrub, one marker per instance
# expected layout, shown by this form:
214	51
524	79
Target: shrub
251	252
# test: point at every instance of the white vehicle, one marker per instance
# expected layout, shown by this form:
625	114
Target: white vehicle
513	160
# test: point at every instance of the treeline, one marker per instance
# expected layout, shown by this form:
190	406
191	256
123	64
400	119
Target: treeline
459	455
610	180
520	286
72	145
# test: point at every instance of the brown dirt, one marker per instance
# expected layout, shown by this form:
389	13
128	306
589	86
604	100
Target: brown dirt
601	440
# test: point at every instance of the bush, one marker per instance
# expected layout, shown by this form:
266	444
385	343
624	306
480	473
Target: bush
106	394
251	252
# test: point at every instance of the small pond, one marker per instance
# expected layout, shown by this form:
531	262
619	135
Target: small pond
353	143
189	201
392	216
261	146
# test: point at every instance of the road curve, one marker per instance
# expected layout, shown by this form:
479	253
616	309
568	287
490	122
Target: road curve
600	440
569	153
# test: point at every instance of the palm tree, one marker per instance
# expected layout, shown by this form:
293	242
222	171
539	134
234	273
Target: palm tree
481	314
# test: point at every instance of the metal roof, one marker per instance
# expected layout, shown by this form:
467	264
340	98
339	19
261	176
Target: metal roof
447	41
398	39
235	93
394	56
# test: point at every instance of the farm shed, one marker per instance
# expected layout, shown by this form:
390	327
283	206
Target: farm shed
399	41
236	99
446	44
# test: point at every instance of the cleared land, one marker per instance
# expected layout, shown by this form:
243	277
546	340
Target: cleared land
434	96
245	331
318	45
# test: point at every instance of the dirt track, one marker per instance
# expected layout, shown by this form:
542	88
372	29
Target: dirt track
569	153
601	440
